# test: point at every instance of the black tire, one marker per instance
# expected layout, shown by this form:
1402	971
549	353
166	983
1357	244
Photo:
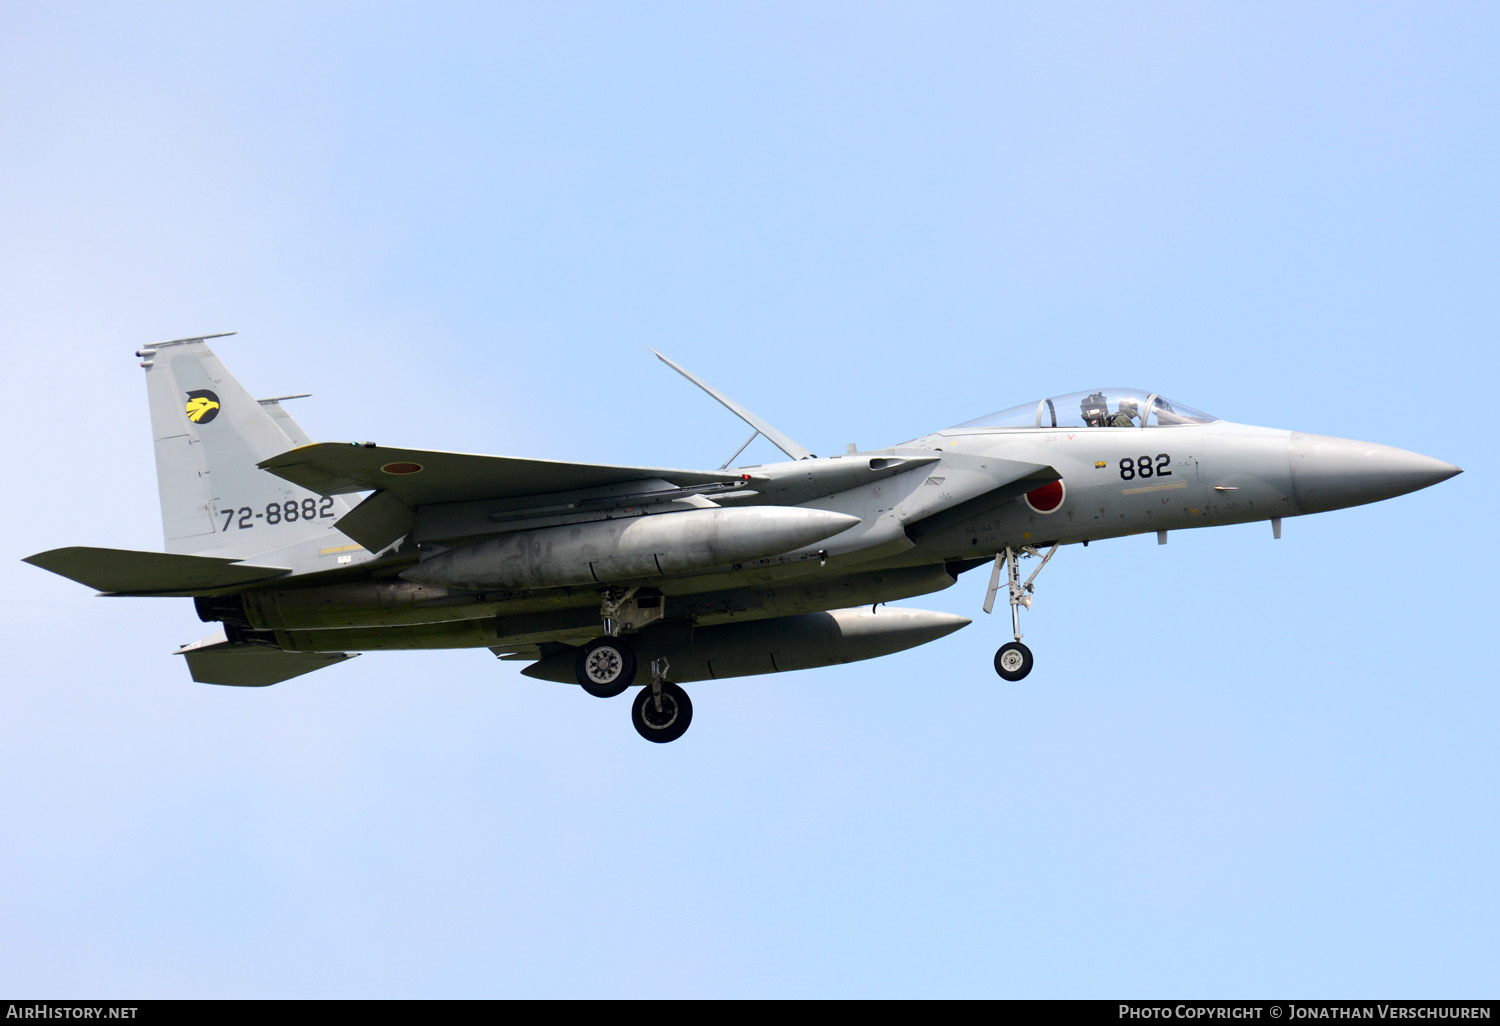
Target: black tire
605	667
1013	661
669	722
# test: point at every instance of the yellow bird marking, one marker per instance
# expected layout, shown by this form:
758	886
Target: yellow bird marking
196	408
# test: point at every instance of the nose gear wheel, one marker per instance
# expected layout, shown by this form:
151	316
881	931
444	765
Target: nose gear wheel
1013	661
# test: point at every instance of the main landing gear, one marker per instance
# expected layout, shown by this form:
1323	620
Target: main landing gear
1013	661
662	711
607	666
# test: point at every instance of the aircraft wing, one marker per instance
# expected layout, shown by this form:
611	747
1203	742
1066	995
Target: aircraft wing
420	477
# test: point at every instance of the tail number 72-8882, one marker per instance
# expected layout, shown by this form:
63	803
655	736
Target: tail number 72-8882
274	513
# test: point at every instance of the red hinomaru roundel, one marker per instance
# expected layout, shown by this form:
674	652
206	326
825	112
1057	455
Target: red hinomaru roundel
1047	498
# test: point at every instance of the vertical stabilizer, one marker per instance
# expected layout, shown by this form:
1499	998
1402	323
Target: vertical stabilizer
209	435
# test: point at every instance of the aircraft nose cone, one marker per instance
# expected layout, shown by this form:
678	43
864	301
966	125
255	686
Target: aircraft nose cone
1332	473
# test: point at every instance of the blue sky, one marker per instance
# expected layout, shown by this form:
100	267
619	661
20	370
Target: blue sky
1242	767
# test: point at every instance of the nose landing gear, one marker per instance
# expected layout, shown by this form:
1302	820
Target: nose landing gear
1013	661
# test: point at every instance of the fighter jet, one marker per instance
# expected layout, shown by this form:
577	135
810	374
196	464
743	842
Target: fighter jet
607	576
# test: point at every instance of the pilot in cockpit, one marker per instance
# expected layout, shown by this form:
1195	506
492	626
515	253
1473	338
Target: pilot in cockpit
1095	410
1125	416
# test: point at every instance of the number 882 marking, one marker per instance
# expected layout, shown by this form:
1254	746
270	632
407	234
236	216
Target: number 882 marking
1141	466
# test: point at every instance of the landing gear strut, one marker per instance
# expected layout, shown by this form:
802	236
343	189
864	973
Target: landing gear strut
1013	661
606	666
662	711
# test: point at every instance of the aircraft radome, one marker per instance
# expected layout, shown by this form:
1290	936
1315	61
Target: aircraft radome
608	576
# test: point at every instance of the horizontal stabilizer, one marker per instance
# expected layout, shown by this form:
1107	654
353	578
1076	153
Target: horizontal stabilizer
216	660
418	477
129	572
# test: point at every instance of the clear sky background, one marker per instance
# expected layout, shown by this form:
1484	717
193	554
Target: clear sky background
1241	768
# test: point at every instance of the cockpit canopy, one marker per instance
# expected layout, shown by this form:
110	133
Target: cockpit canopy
1106	407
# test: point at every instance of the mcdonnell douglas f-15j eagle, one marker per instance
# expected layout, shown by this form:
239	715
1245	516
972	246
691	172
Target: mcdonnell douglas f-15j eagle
608	576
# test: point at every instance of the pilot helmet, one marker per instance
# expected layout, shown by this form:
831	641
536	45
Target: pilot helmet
1095	410
1130	407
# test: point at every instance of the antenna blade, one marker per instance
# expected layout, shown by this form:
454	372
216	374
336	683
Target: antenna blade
776	438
